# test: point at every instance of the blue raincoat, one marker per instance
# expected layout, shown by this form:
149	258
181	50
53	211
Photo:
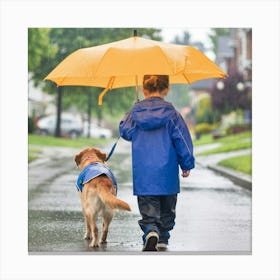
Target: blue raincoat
161	143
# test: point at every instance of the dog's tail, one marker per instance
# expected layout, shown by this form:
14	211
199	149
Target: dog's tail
112	201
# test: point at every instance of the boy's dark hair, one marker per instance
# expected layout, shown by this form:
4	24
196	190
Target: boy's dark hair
154	83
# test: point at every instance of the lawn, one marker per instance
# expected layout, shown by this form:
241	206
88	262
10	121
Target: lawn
33	154
228	147
42	140
207	138
240	163
204	139
229	143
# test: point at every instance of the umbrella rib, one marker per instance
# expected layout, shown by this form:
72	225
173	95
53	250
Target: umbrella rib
165	57
101	60
186	78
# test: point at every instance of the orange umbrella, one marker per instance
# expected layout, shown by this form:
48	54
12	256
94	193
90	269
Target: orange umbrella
124	63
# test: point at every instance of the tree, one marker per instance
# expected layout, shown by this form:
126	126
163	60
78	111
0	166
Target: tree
186	40
231	94
39	47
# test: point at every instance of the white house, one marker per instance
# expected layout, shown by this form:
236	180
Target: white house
39	102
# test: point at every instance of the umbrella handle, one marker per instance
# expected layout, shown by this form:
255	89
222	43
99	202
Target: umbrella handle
109	85
100	97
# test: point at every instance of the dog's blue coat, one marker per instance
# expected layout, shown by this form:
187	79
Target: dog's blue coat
92	171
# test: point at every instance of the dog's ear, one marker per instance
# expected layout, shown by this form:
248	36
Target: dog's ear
100	155
78	158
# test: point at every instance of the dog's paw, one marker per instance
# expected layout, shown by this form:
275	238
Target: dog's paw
87	237
103	241
94	244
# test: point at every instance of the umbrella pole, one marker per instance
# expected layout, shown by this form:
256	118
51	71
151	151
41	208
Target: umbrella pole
137	88
89	113
136	77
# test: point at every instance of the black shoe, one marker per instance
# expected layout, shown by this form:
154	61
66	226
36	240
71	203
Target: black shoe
151	241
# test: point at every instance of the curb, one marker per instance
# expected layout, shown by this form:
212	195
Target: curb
237	177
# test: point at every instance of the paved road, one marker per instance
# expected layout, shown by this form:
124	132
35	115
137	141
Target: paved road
213	214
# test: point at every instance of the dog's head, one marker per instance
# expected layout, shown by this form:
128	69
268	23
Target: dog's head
89	155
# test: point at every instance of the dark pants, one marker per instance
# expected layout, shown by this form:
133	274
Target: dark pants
158	214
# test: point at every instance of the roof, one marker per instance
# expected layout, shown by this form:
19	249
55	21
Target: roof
202	85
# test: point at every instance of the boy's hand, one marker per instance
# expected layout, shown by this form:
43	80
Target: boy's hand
186	173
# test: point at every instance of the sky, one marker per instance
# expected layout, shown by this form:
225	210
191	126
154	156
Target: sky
197	34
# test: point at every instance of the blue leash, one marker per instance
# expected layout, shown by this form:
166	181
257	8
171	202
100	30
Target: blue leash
112	149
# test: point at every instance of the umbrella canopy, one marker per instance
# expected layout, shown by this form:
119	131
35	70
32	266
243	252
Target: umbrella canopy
124	63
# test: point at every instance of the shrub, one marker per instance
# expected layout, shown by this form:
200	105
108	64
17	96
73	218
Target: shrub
234	129
203	128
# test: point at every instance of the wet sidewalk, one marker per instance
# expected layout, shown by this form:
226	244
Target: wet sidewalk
211	162
213	213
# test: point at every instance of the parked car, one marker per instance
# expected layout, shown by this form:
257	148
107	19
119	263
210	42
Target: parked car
70	126
97	131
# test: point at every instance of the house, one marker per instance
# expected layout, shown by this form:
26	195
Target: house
234	53
39	102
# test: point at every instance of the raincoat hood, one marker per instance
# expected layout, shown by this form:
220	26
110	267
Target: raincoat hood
152	113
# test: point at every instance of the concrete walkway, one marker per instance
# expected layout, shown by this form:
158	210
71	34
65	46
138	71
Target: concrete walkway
213	213
211	162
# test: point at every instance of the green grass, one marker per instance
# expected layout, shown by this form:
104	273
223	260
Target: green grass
31	158
34	151
43	140
204	139
228	147
33	154
240	163
207	138
236	137
229	143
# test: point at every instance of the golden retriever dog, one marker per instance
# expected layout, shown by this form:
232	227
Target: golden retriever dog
98	196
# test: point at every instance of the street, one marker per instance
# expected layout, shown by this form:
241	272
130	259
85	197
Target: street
213	213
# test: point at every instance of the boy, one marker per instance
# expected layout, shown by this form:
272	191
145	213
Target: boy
160	143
